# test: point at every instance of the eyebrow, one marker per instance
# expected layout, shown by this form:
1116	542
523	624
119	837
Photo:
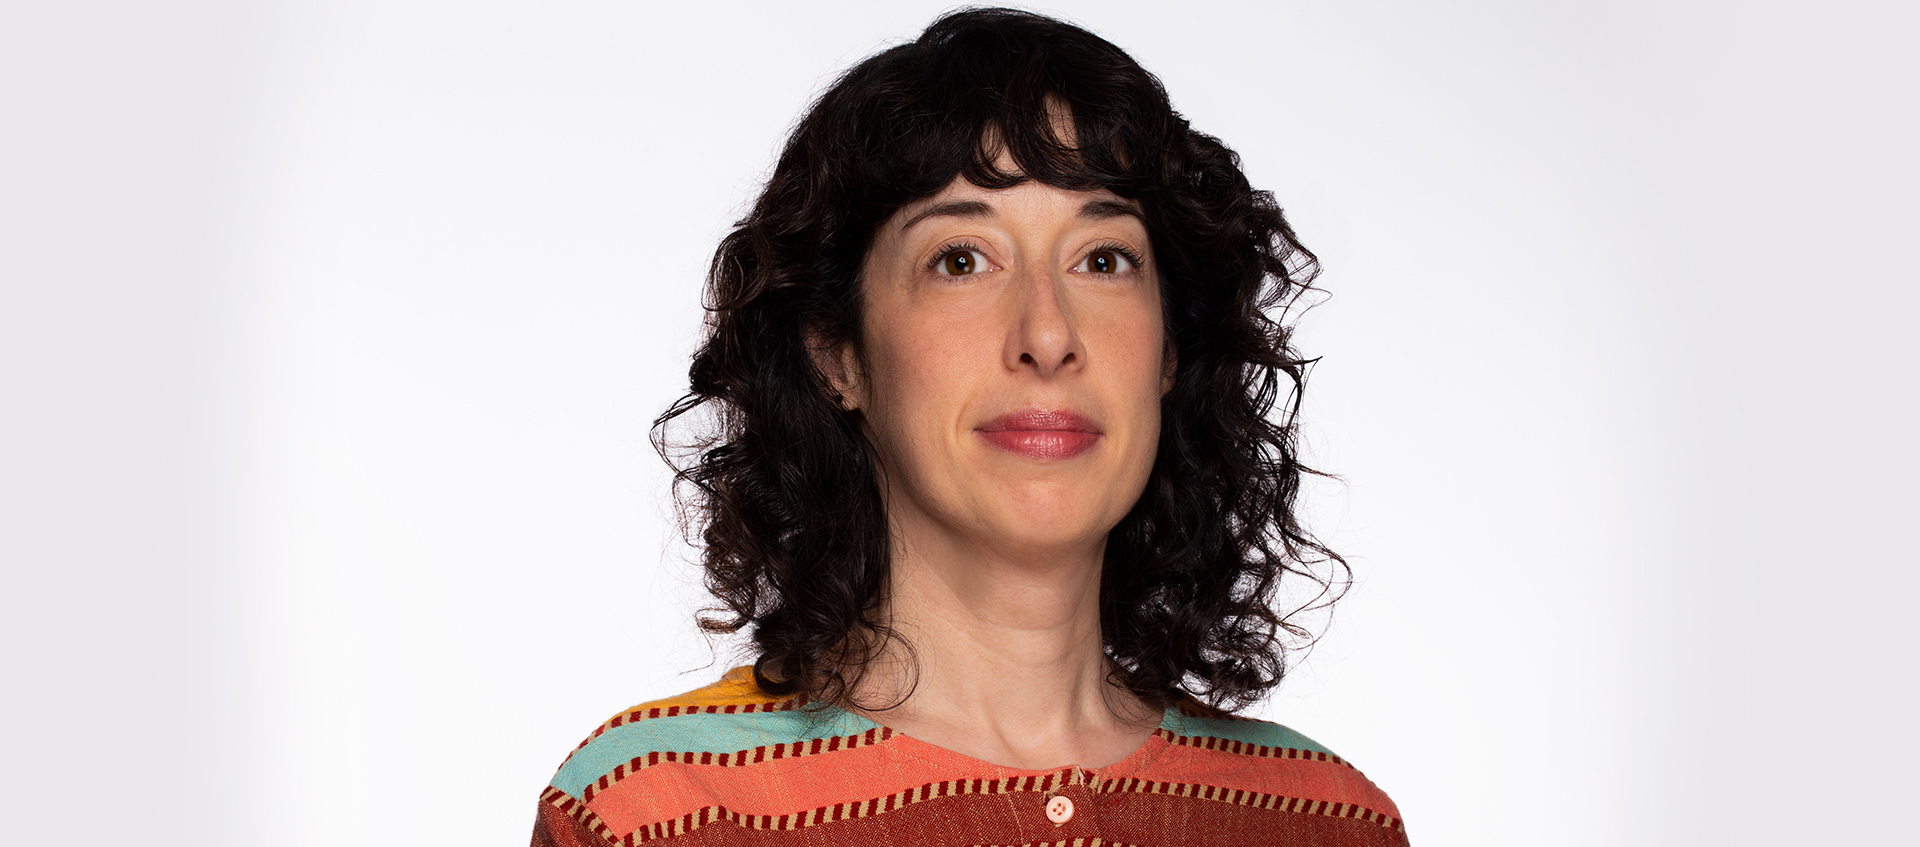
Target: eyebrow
1095	210
951	208
1100	210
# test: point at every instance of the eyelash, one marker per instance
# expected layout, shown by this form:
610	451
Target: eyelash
946	250
1132	257
950	249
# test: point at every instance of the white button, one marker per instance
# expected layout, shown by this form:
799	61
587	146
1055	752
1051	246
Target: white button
1059	810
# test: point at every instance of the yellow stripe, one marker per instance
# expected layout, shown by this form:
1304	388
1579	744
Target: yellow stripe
734	689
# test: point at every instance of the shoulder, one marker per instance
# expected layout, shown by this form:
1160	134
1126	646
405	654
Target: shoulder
633	770
733	693
1275	761
716	724
1199	723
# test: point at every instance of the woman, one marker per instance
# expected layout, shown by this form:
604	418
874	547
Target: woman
994	485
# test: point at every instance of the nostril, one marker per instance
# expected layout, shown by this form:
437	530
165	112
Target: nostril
1026	359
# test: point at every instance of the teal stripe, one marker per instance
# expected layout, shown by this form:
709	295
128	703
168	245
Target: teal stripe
1262	733
701	734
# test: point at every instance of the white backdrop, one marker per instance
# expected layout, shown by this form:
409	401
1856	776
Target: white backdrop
332	333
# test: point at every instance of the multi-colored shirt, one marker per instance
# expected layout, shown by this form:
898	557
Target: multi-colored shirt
731	765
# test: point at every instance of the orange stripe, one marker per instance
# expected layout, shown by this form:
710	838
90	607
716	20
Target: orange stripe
780	786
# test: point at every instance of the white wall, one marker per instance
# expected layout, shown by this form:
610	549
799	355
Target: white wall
331	333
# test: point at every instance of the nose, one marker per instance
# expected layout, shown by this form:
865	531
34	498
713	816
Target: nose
1043	336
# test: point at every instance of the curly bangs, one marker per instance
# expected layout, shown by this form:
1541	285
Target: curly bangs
782	487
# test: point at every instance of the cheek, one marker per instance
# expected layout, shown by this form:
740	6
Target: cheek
920	374
932	353
1135	344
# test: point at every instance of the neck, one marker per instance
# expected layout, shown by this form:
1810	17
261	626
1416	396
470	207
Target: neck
1002	658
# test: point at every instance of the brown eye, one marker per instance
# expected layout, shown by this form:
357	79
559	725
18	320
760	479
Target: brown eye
1107	262
961	263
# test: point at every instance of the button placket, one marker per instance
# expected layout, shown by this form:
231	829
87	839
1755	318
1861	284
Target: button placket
1059	809
1067	801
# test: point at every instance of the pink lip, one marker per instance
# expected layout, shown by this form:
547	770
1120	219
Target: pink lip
1041	434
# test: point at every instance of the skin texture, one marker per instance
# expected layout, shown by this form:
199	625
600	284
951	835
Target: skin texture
979	304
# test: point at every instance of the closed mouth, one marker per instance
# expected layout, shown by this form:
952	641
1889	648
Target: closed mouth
1042	434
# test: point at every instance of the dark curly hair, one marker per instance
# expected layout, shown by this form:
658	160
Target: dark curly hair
781	483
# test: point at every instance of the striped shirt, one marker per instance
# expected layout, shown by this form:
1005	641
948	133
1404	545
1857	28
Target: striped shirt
731	765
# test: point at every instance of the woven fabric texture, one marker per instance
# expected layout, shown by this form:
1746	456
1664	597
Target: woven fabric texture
730	765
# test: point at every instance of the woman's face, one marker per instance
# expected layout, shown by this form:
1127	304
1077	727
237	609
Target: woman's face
1015	360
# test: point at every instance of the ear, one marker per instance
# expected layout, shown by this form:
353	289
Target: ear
1170	363
841	366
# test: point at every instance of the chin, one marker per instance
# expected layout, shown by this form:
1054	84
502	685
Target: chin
1045	530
